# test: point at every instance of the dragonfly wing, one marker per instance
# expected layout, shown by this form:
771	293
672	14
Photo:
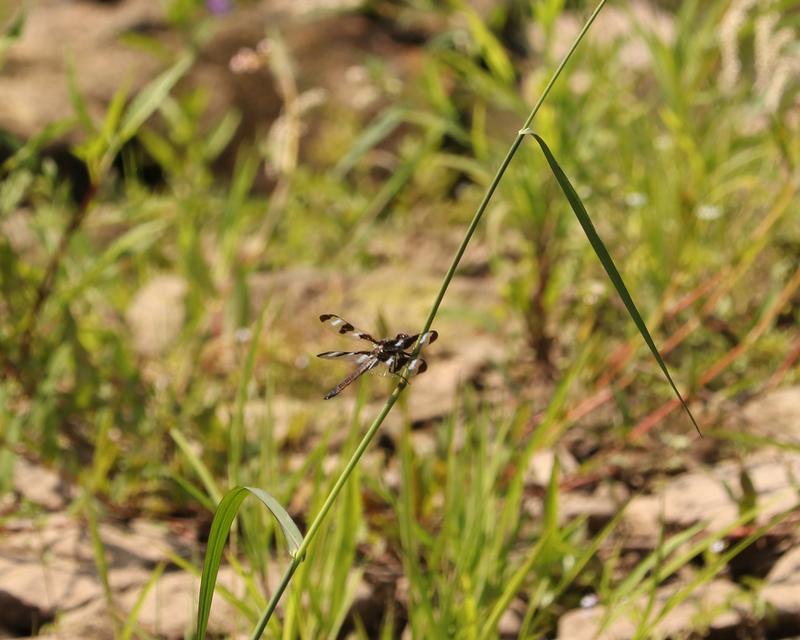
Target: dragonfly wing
358	357
354	375
342	326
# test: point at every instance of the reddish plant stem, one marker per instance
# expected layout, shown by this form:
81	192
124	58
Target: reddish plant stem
651	420
719	284
45	288
794	355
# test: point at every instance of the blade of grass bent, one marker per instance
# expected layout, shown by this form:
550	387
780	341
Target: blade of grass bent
608	264
220	526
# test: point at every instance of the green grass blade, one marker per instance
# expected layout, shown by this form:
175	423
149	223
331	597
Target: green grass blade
718	565
134	241
513	585
45	136
608	264
493	52
219	138
374	134
636	585
237	435
150	98
293	536
550	518
197	464
100	559
226	593
190	489
588	553
538	611
78	101
130	622
115	112
220	526
637	576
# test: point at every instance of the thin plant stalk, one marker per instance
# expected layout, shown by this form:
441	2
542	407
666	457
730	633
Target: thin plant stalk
501	171
401	385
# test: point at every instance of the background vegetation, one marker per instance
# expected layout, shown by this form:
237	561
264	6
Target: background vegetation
158	310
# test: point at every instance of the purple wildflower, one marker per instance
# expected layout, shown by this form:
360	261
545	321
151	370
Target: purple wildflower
219	7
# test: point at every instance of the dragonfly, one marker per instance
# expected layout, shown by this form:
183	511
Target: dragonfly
391	352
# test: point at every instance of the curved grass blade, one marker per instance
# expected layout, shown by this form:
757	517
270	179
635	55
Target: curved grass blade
608	264
220	526
197	464
130	622
375	133
150	98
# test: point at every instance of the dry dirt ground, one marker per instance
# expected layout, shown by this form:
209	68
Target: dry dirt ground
48	572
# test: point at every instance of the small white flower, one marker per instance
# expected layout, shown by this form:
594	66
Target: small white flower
635	199
718	546
708	212
245	61
589	600
243	335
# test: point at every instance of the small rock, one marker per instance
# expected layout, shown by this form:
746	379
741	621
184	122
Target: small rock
168	609
541	466
156	314
702	496
787	569
510	621
47	568
40	485
782	588
776	413
597	507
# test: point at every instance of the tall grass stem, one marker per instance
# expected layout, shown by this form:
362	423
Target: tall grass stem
392	399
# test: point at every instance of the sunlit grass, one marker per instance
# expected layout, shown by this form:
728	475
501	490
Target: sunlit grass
688	196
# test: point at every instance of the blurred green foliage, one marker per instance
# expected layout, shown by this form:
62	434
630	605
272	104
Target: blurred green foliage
687	180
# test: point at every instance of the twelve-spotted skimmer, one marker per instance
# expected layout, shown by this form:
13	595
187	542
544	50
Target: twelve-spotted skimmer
391	352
